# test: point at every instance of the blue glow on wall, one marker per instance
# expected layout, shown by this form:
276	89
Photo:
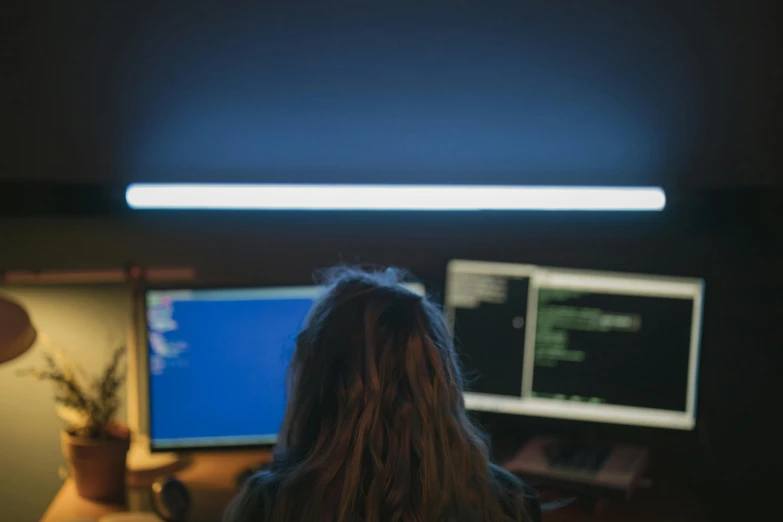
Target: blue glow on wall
526	95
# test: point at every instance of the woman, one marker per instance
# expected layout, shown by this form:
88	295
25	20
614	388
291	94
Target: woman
375	429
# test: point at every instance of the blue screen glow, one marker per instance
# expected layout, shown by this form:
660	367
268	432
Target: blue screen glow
217	362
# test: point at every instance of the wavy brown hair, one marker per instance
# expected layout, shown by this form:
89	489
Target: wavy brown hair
376	428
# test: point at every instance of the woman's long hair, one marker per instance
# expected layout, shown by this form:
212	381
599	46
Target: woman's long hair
375	429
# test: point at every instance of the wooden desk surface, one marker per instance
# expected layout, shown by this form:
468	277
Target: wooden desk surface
211	478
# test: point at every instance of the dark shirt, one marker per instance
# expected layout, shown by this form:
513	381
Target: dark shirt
514	486
254	503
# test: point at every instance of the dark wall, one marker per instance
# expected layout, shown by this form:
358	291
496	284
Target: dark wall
505	91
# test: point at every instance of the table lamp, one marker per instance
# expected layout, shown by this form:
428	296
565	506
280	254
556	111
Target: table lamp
17	334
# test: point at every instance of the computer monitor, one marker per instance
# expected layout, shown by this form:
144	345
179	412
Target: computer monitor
581	345
216	363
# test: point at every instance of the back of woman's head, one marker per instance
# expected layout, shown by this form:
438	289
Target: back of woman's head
375	428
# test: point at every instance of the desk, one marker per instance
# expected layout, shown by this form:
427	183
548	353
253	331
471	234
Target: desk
658	504
211	479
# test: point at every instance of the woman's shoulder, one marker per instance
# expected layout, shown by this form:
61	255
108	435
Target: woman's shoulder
509	481
512	486
254	501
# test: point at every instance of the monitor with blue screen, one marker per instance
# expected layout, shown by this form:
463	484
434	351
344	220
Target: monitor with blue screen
217	360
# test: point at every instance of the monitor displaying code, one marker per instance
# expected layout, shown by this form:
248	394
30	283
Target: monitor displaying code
626	350
579	345
217	363
490	333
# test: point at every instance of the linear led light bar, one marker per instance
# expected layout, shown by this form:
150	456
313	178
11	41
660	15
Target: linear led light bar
208	196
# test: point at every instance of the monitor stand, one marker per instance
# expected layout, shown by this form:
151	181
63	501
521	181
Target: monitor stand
610	469
145	467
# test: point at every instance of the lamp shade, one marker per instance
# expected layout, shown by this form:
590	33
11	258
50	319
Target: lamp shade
17	334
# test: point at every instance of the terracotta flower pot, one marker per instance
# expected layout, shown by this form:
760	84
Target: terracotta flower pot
98	466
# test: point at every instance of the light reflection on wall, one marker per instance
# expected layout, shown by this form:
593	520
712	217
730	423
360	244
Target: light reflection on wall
446	97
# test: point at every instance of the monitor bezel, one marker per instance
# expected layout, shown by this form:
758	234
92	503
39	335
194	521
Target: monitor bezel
537	407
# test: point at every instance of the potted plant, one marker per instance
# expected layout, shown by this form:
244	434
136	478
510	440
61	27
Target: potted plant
94	445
